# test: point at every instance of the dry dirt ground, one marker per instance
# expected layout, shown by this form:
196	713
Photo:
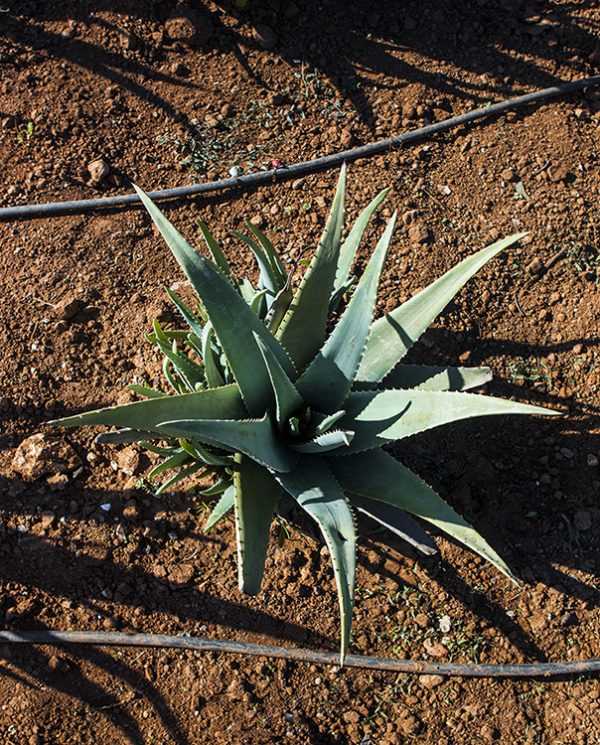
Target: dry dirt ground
167	95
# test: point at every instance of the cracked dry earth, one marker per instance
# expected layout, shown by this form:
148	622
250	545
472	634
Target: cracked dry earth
95	94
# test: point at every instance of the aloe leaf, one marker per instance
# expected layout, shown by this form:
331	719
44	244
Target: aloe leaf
221	508
215	250
232	319
395	520
270	278
303	329
175	381
198	452
211	367
270	252
352	242
186	312
144	390
218	487
326	422
435	378
165	451
379	476
183	474
378	417
279	307
178	335
174	461
395	333
323	443
188	371
121	437
314	487
159	333
338	294
259	302
287	399
256	496
253	437
247	291
328	379
216	403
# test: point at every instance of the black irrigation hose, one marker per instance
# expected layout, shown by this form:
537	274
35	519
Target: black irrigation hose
297	170
60	638
115	639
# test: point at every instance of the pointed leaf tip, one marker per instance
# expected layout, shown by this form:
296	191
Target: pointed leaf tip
303	328
328	379
394	334
232	320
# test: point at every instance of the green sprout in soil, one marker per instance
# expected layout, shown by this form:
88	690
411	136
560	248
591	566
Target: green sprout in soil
524	370
586	261
278	404
25	133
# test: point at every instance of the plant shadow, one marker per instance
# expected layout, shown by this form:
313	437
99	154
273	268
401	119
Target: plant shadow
501	489
498	45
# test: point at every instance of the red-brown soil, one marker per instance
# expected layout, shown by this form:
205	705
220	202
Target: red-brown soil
81	81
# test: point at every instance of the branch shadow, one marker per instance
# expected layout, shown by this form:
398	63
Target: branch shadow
48	565
503	44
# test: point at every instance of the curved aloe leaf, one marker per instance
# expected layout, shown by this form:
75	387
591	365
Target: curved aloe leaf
209	357
314	487
327	441
287	399
270	252
183	474
144	390
379	476
221	508
121	436
253	437
232	319
174	461
215	403
326	422
437	378
187	313
352	242
269	278
256	496
378	417
395	333
215	250
279	307
203	454
302	331
189	372
395	520
327	380
219	487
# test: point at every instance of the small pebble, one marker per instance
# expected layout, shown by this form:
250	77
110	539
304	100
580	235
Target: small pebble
445	624
430	681
98	170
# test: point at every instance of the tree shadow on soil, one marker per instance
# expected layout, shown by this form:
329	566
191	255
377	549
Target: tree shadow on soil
68	679
503	43
494	476
84	584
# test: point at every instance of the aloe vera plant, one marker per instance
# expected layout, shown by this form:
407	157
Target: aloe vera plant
274	406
